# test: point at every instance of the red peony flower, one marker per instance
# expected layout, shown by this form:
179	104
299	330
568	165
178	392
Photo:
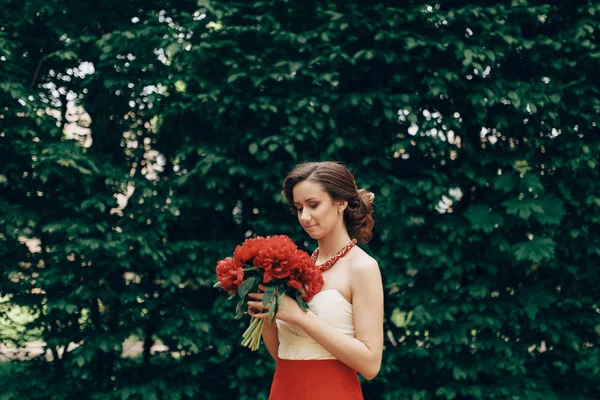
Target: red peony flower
308	275
295	284
276	258
248	250
230	274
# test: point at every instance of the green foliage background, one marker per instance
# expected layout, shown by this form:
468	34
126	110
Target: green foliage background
474	123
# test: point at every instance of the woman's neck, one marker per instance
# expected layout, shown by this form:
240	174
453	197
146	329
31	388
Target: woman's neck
331	244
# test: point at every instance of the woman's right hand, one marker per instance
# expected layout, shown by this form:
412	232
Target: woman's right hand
256	309
288	310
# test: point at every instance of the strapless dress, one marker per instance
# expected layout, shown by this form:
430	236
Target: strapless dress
306	370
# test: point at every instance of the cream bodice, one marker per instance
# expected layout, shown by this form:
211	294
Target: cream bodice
331	307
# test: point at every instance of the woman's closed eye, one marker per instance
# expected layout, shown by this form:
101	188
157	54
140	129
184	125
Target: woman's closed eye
311	206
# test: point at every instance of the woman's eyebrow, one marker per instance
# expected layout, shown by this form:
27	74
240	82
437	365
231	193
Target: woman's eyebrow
312	198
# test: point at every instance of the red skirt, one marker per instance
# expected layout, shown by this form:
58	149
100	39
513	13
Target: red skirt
314	380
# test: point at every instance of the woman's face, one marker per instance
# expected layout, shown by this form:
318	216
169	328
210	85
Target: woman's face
317	212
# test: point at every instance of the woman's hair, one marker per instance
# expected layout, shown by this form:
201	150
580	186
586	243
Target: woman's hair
339	183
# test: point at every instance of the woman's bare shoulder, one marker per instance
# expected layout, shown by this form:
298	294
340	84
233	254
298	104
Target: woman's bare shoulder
365	276
362	262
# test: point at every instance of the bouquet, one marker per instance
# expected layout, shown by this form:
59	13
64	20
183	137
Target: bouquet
275	262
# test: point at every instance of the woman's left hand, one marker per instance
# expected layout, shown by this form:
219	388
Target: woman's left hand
288	311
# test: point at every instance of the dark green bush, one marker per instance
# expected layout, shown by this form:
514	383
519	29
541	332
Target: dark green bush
474	123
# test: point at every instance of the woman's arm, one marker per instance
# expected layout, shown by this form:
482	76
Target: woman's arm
362	353
270	338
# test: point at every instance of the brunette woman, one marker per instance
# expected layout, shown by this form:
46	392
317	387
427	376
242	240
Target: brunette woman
319	352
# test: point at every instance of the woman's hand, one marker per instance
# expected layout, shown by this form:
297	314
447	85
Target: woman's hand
288	311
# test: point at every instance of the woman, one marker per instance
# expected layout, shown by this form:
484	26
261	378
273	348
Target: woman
319	352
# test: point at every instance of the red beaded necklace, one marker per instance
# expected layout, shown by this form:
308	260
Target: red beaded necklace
329	263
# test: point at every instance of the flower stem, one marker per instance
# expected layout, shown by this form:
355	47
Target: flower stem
253	333
250	330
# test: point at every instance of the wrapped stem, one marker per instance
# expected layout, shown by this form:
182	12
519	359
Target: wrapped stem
253	334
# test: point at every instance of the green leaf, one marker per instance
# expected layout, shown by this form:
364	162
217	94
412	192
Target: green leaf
553	210
401	319
514	98
478	291
468	54
555	98
234	77
278	299
268	295
505	182
176	279
482	218
273	308
522	208
247	286
458	374
532	183
531	310
180	86
301	301
240	308
295	66
536	250
253	148
421	314
448	393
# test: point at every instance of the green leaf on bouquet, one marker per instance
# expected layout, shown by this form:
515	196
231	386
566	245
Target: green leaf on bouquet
280	298
268	295
239	309
301	302
217	285
245	287
273	308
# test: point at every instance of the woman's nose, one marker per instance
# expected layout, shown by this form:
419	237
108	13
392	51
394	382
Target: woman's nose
305	216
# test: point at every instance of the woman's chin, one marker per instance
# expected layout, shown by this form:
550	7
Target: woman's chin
315	236
312	234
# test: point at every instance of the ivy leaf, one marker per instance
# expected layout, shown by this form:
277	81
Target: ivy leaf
505	182
535	250
482	218
176	279
553	210
532	182
253	148
401	319
458	374
522	208
531	310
